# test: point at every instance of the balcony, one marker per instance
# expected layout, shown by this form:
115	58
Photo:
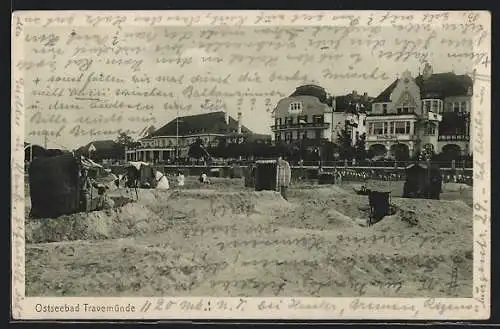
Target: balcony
453	138
296	126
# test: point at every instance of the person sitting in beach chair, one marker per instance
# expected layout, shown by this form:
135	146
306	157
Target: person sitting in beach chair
204	179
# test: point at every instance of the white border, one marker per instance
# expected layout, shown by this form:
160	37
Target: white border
477	307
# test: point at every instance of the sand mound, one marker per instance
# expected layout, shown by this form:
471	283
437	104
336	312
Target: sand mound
129	220
327	211
427	216
155	211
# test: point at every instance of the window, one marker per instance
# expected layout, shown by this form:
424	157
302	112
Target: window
463	107
302	118
378	128
427	106
288	136
458	107
277	122
384	108
318	119
405	109
386	127
277	137
402	127
295	106
433	105
430	129
289	120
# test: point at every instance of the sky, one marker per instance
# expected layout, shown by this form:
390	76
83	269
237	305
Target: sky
110	65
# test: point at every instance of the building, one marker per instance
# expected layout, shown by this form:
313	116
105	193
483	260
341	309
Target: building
431	111
174	139
311	113
349	112
104	151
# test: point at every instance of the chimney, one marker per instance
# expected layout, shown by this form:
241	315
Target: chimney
226	117
354	94
365	97
239	122
427	71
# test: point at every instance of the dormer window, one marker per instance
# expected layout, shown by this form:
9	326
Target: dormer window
295	107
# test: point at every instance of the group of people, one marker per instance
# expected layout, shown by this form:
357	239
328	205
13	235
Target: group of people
361	175
162	182
89	201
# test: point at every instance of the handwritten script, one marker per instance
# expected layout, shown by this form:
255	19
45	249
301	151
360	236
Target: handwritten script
125	73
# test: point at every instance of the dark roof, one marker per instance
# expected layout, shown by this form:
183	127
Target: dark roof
207	123
101	145
386	94
347	103
438	85
444	84
312	90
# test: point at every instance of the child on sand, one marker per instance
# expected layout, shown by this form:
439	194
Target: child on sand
180	179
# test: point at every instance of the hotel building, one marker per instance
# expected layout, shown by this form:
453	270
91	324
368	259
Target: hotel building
310	113
174	139
431	111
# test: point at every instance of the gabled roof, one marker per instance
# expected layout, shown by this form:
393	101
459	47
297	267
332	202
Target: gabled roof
385	96
438	85
206	123
101	145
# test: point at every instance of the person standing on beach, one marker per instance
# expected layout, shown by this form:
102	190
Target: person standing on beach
284	176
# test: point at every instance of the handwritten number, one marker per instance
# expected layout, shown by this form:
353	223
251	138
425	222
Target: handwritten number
159	304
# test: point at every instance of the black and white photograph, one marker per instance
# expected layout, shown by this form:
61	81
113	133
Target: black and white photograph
294	157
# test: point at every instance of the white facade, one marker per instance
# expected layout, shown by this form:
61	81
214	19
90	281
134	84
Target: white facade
408	120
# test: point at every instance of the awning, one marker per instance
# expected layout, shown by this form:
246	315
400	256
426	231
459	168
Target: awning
138	164
421	165
88	163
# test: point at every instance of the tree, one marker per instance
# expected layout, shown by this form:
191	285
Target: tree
346	150
327	150
126	140
360	147
195	151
